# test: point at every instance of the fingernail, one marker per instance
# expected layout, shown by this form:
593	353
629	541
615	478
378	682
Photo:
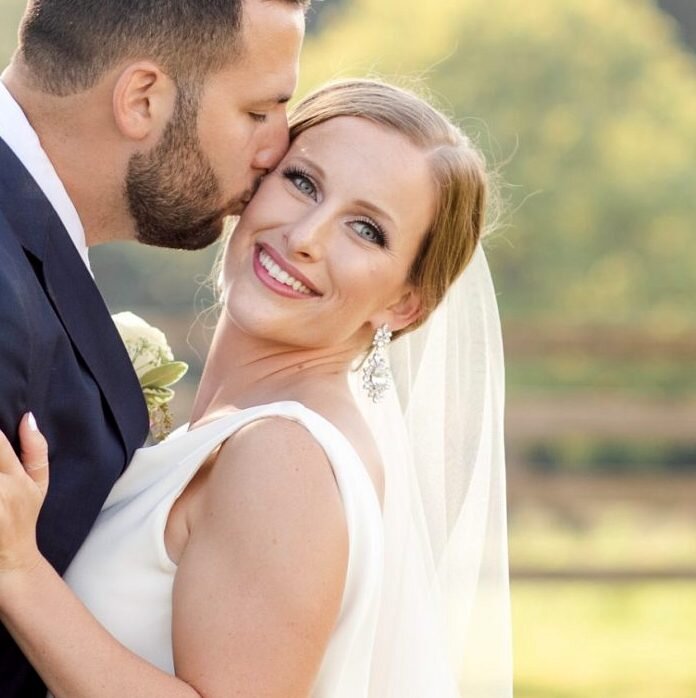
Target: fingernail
31	420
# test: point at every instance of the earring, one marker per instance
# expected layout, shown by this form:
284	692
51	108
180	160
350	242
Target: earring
376	373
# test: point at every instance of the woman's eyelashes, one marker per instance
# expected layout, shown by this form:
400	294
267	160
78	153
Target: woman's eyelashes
369	230
366	228
259	118
301	181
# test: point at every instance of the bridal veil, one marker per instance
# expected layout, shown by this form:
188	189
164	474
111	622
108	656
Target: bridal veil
444	625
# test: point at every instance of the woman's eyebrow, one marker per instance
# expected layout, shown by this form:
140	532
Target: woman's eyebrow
311	164
376	210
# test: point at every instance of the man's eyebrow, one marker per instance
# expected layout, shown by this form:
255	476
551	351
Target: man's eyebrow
271	101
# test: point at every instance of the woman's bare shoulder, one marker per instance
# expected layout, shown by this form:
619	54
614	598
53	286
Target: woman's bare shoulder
266	558
345	415
273	449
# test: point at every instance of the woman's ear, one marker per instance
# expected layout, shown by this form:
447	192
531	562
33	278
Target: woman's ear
402	313
143	101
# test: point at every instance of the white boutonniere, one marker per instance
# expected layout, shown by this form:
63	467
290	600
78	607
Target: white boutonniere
155	367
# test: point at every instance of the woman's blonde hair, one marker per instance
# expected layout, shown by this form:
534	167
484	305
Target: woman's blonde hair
458	169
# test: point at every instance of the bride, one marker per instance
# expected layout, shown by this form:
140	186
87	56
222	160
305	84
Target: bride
291	541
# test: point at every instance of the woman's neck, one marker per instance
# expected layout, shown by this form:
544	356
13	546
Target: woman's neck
242	371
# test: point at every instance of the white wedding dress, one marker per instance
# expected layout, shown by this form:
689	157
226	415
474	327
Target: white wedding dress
124	576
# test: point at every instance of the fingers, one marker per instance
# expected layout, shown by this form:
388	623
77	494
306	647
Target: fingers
34	452
9	463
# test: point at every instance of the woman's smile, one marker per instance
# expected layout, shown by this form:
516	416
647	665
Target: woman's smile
280	276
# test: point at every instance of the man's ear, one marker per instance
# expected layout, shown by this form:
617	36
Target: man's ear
143	101
404	312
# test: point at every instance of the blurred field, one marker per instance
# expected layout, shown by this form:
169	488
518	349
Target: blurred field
618	635
587	640
618	540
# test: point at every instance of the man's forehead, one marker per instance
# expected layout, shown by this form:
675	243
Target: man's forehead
263	19
271	50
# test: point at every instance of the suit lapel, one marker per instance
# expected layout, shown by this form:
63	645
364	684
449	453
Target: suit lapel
87	321
74	295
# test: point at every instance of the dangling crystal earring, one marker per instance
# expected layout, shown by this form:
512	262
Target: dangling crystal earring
376	373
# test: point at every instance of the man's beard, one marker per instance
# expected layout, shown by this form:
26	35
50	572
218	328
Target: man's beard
173	193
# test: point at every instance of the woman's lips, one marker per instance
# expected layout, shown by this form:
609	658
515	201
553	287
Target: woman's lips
265	256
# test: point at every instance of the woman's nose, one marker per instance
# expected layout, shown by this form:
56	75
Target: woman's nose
309	237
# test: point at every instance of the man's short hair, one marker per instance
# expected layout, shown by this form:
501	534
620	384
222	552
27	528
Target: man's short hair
68	45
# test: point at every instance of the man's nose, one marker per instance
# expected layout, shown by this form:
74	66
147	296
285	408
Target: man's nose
275	144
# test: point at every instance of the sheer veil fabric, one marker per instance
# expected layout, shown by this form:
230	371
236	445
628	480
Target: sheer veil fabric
444	626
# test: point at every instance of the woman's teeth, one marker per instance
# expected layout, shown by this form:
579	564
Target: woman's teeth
281	275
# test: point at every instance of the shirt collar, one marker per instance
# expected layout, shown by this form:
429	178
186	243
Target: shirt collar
19	135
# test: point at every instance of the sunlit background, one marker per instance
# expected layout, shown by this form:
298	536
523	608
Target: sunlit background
587	108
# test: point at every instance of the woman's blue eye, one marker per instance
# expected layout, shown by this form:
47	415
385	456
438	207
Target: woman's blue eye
302	183
370	232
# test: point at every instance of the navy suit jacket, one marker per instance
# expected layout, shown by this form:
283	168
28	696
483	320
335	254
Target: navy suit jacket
61	358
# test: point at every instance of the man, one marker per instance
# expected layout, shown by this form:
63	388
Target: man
144	119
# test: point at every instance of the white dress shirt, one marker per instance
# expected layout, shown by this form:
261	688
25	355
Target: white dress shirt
19	135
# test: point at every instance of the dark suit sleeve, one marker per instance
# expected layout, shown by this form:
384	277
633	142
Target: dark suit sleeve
15	343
